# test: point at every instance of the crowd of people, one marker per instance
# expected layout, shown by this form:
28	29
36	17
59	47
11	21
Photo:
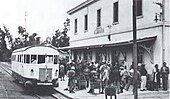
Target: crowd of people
113	75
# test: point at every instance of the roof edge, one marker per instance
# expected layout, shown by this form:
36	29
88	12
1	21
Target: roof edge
139	40
80	6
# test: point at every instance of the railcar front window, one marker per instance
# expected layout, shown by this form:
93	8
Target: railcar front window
56	59
49	59
33	59
41	59
27	58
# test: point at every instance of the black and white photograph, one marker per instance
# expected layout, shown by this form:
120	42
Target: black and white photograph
85	49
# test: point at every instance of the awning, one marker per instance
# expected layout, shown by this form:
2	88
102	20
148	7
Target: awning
146	39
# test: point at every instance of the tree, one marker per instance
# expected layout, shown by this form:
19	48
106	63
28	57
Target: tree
2	40
8	35
5	53
2	43
60	39
56	38
22	41
25	39
32	39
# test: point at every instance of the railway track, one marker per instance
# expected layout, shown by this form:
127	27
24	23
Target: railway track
6	91
41	93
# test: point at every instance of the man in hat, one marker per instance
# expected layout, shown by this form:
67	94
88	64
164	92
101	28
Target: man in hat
123	75
164	73
156	77
143	74
71	82
93	78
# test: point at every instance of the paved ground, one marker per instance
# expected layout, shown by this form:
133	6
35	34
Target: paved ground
82	94
10	89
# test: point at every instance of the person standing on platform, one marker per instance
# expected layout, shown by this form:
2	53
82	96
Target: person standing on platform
71	80
164	74
130	77
87	75
61	72
143	73
93	78
156	77
124	76
105	76
115	78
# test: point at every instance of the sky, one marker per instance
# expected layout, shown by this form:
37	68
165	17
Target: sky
43	17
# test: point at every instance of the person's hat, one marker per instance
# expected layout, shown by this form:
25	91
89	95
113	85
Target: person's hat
122	67
93	72
73	68
139	64
164	63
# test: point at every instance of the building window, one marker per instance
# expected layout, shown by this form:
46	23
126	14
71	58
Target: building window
115	12
86	22
139	8
98	17
75	26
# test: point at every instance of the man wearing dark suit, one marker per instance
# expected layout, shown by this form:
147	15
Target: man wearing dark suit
164	73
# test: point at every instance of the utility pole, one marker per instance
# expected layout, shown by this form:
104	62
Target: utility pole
163	29
161	17
25	21
135	88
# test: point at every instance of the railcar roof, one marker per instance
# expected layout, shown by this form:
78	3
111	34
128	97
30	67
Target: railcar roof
25	49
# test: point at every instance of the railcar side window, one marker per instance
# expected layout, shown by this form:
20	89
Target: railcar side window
56	59
33	59
27	58
22	58
13	58
41	59
18	58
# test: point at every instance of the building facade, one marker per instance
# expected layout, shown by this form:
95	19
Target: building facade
102	31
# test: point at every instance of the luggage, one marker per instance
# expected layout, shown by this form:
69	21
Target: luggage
82	82
150	85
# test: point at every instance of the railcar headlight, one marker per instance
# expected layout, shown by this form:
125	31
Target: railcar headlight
32	72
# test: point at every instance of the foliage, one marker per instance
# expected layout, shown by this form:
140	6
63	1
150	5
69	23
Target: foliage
60	39
4	52
2	40
25	39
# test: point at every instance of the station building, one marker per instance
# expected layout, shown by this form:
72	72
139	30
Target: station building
102	31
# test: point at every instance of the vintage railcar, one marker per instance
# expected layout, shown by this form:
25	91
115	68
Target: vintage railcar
36	65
